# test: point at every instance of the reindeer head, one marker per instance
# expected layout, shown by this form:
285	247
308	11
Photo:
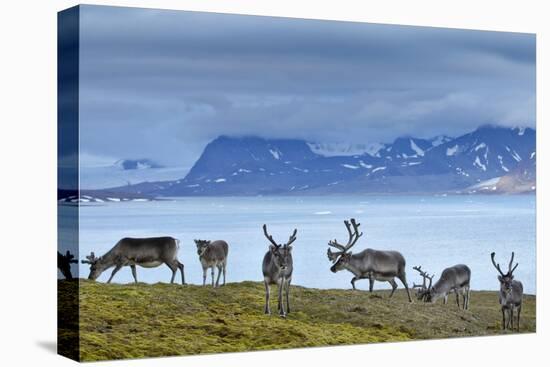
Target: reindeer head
282	253
202	245
341	258
96	268
505	279
424	292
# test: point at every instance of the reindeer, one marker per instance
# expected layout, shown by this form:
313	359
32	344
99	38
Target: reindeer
212	254
423	290
64	264
277	269
510	295
145	252
369	264
453	279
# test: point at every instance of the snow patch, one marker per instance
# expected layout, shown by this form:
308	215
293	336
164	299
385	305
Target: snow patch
378	169
514	154
441	139
364	165
275	153
416	148
478	163
480	146
504	168
452	151
350	166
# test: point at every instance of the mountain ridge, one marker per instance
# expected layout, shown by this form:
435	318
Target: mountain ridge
258	166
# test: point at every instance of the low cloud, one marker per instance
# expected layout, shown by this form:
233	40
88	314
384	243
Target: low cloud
161	84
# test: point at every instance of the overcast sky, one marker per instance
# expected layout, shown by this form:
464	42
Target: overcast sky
162	84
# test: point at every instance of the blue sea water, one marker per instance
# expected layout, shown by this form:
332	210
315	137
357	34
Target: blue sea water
432	231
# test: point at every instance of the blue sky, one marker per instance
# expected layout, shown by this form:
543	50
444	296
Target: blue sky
161	84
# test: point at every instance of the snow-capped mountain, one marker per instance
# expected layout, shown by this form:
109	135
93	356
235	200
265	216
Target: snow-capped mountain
257	166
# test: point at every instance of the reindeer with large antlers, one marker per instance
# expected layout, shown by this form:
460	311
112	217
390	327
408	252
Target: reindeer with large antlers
455	279
510	295
423	290
277	269
369	264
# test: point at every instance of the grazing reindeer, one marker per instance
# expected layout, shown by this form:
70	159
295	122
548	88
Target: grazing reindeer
64	264
277	269
212	254
368	264
145	252
453	279
510	295
423	290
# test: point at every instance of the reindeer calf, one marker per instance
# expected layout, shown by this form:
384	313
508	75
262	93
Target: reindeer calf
212	254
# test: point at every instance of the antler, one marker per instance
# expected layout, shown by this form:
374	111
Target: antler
510	270
430	278
90	259
70	257
424	277
292	237
497	266
335	244
269	237
333	256
353	236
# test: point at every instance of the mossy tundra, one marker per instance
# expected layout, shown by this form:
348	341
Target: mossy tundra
149	320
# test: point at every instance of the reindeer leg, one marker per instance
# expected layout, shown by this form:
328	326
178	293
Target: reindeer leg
134	273
174	269
503	318
181	267
393	286
204	276
457	299
353	282
280	300
212	274
224	266
371	284
115	270
403	279
512	318
267	311
219	274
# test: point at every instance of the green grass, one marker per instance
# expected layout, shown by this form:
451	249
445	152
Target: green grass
144	320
